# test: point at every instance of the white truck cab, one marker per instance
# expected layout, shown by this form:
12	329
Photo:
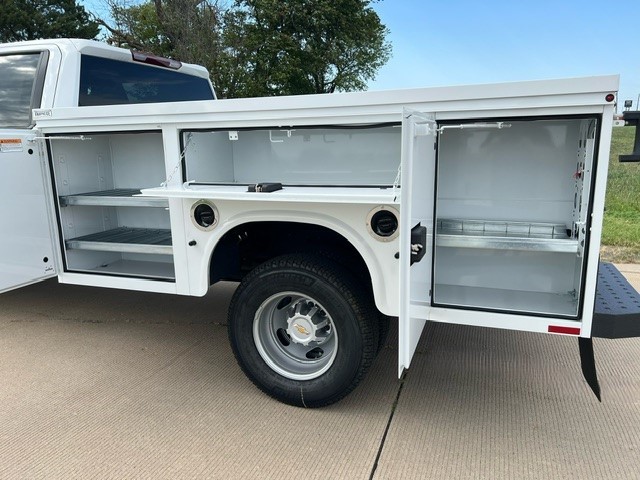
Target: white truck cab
59	73
476	205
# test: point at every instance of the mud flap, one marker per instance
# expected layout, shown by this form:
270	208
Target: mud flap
588	363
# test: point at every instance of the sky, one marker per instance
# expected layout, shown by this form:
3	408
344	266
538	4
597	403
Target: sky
458	42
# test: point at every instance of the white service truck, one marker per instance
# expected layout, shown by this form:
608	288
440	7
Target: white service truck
477	205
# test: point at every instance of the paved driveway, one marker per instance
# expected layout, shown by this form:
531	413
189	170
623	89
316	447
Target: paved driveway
115	384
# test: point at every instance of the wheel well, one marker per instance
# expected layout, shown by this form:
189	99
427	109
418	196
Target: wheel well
248	245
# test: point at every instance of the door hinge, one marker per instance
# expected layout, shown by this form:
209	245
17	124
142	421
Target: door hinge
426	129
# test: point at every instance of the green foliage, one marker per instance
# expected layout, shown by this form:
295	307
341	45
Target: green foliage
35	19
261	47
309	46
622	216
137	26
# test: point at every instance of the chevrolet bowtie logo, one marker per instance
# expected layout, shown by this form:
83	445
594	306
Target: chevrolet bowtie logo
301	329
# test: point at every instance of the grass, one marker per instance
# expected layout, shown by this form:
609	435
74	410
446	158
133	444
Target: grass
621	231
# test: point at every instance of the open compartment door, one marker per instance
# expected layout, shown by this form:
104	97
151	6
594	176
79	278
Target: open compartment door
419	140
26	247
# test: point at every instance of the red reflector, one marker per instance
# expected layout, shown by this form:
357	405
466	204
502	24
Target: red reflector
610	97
565	330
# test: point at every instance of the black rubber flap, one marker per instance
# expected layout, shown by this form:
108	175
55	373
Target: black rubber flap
617	306
588	364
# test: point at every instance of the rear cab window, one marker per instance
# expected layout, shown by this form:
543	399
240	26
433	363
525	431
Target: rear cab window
105	81
20	87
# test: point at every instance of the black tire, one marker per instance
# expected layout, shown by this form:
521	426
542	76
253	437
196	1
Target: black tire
384	325
285	289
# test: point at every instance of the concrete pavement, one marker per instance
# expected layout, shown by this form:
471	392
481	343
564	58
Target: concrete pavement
115	384
632	272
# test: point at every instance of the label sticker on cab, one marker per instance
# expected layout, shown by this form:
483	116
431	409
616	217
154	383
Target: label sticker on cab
39	113
10	145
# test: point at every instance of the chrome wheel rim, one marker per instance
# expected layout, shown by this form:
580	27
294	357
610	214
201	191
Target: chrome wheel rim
295	336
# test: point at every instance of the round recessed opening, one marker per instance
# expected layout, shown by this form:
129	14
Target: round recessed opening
204	215
383	223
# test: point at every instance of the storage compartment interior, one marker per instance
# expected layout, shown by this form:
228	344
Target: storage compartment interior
511	214
366	155
106	228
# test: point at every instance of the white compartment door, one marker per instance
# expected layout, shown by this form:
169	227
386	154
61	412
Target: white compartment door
26	247
419	135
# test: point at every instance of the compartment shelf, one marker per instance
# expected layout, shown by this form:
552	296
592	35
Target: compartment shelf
506	300
154	270
119	197
307	194
125	240
523	236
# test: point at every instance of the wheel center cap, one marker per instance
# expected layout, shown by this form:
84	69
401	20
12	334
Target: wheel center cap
301	330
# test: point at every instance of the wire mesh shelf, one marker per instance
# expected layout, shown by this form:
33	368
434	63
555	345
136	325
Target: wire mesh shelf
119	197
125	240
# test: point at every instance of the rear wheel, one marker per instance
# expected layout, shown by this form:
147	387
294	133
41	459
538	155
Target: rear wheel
303	330
384	326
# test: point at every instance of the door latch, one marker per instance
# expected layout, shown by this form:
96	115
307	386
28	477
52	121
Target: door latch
418	243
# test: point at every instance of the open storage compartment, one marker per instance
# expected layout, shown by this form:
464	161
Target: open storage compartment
512	210
105	226
330	156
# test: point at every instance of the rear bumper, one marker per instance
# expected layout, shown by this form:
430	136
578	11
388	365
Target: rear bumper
617	306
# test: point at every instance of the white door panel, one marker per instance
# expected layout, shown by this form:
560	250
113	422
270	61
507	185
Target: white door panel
26	253
419	134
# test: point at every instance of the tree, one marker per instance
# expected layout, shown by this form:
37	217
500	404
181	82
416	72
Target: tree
35	19
136	26
310	46
261	47
188	30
